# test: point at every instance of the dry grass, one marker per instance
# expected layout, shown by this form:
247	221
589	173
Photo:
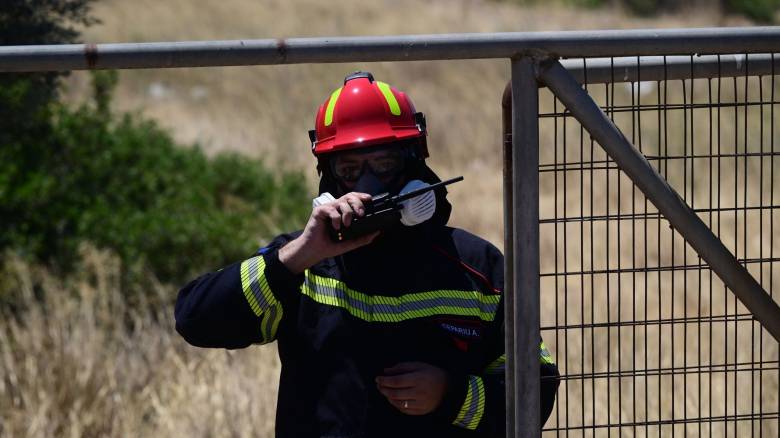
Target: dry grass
81	363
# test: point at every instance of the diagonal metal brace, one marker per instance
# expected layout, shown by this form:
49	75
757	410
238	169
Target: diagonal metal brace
552	74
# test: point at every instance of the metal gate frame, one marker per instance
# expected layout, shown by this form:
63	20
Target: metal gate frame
534	60
521	184
613	71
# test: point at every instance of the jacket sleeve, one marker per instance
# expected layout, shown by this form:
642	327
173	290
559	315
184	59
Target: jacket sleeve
241	304
477	401
482	406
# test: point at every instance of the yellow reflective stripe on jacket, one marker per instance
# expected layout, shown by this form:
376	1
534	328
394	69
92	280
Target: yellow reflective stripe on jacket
497	366
270	323
331	106
473	408
376	308
544	355
395	109
260	298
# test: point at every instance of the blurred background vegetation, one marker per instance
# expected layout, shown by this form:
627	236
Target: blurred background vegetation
81	174
760	10
115	188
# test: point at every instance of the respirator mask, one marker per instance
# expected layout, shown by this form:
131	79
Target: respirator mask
381	172
413	210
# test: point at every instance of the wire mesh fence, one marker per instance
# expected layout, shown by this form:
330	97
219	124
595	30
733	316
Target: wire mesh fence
648	339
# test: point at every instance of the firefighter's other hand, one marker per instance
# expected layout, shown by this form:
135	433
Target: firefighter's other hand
414	388
315	244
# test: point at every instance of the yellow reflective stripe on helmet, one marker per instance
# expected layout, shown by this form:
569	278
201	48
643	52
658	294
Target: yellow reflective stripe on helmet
544	355
331	106
376	308
473	408
395	109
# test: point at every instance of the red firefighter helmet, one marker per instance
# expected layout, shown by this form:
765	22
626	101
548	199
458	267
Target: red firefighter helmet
365	113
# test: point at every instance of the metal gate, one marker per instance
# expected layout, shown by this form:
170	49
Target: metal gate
648	218
649	340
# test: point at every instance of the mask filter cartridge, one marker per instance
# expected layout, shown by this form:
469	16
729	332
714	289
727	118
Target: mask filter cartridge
420	208
322	199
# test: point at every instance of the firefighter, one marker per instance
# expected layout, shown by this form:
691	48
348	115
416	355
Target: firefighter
395	333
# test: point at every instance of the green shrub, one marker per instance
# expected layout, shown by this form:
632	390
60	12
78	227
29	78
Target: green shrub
644	7
120	182
70	177
759	10
586	3
24	98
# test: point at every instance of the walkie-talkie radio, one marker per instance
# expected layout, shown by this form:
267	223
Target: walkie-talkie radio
384	210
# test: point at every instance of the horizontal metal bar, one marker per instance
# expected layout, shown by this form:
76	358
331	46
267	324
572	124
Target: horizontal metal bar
741	367
673	421
569	166
741	317
652	216
645	269
657	68
667	107
640	42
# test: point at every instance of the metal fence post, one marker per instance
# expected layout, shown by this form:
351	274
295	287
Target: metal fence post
523	361
509	264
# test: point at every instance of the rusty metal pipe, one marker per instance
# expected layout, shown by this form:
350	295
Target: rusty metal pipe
572	44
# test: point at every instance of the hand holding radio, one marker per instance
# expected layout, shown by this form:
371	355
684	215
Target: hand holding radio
415	204
315	243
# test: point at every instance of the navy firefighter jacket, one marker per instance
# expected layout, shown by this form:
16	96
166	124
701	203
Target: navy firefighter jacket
424	294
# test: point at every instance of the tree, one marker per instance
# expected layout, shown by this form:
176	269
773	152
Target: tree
24	98
75	175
